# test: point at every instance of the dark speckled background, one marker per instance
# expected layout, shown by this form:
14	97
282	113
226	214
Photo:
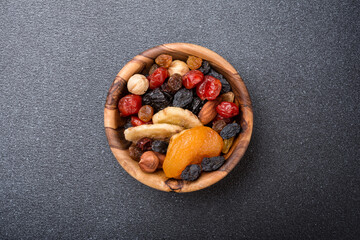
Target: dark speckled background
299	178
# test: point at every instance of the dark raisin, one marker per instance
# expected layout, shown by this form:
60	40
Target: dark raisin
191	172
175	82
225	85
153	68
169	96
218	125
144	144
159	146
230	130
156	99
196	105
212	164
128	124
205	67
135	152
182	98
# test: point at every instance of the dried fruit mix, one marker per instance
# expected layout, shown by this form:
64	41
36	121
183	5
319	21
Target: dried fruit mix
163	124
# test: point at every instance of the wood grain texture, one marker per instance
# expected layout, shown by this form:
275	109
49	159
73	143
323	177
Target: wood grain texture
113	122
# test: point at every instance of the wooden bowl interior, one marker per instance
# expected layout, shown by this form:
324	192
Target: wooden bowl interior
114	123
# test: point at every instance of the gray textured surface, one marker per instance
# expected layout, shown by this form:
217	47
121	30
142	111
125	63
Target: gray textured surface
298	179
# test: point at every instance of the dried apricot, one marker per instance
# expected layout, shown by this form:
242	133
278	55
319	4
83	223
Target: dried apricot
194	62
190	147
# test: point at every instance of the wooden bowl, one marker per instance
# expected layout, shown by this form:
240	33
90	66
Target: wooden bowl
115	132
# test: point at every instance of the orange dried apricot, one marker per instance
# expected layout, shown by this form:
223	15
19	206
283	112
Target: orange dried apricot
190	147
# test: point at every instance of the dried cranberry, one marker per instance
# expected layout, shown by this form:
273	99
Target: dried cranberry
135	121
209	89
144	144
158	77
192	78
130	104
227	109
191	172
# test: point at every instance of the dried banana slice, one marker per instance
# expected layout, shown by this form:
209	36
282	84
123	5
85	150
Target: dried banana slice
177	116
154	131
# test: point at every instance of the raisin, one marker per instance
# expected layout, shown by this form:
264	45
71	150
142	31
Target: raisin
205	67
227	109
175	82
159	146
153	68
225	85
135	152
191	172
218	125
212	164
145	113
230	130
168	94
144	144
196	105
128	125
227	145
194	62
164	60
182	98
156	99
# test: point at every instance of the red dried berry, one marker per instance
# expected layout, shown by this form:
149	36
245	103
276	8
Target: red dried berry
209	89
192	78
135	121
157	78
130	104
227	109
144	144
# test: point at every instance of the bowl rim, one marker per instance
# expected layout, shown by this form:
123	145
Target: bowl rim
113	122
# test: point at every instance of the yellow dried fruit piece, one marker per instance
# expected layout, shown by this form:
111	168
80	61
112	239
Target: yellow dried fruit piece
227	145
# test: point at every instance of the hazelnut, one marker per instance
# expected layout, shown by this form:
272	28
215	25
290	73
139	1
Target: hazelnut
138	84
149	162
179	67
161	158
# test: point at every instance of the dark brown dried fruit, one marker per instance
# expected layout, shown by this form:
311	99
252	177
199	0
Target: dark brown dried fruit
212	164
175	82
191	172
218	125
156	99
230	130
145	113
194	62
144	144
163	60
225	85
159	146
205	67
153	68
182	98
135	152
